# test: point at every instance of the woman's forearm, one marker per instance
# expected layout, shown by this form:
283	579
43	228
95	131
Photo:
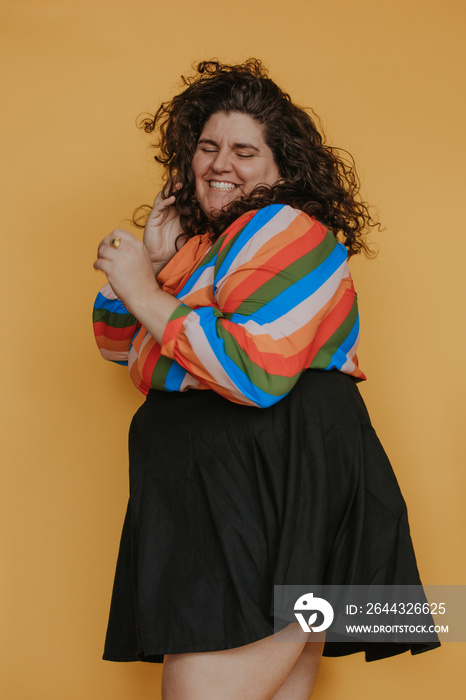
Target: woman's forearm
125	261
153	309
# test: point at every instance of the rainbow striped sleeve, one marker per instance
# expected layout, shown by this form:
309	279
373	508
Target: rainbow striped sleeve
114	326
286	302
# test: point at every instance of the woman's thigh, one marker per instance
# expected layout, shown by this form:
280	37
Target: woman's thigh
252	672
300	681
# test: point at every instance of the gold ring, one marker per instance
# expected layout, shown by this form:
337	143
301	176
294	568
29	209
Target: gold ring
115	242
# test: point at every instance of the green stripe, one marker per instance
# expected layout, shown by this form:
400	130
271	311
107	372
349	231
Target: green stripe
273	384
113	319
209	255
159	375
224	252
180	311
323	357
288	276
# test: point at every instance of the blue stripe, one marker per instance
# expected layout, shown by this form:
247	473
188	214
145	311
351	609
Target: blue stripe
175	376
208	318
115	306
298	292
258	221
189	284
339	357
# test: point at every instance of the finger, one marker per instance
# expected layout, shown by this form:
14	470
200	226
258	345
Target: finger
159	203
106	248
120	233
158	197
172	187
113	243
106	252
101	265
117	238
169	201
106	255
159	210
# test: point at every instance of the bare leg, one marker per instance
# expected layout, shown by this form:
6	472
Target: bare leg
301	679
252	672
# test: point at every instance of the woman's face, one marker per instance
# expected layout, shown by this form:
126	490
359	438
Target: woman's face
231	158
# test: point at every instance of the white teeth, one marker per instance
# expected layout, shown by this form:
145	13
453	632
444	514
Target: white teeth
225	186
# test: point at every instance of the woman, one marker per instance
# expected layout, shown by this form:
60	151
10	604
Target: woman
252	461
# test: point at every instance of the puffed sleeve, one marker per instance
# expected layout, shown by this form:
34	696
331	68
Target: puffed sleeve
120	339
114	326
284	298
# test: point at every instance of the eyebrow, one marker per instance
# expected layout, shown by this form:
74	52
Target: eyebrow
235	145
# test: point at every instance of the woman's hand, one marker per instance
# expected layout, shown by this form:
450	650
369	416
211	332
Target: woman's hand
127	266
162	229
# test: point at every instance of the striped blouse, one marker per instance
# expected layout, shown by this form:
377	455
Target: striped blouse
271	297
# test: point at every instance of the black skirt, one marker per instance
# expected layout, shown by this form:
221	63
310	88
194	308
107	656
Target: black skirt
228	500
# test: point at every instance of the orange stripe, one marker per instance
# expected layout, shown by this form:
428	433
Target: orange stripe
235	227
333	321
113	345
281	362
200	297
101	328
150	361
172	329
247	281
192	364
187	358
298	341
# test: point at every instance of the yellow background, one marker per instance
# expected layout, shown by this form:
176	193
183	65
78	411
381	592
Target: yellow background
387	79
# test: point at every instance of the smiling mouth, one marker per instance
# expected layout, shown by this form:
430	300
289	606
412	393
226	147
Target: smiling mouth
223	186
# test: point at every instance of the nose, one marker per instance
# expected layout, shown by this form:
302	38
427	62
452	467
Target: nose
222	162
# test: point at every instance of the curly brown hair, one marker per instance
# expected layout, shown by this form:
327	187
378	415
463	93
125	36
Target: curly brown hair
315	177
